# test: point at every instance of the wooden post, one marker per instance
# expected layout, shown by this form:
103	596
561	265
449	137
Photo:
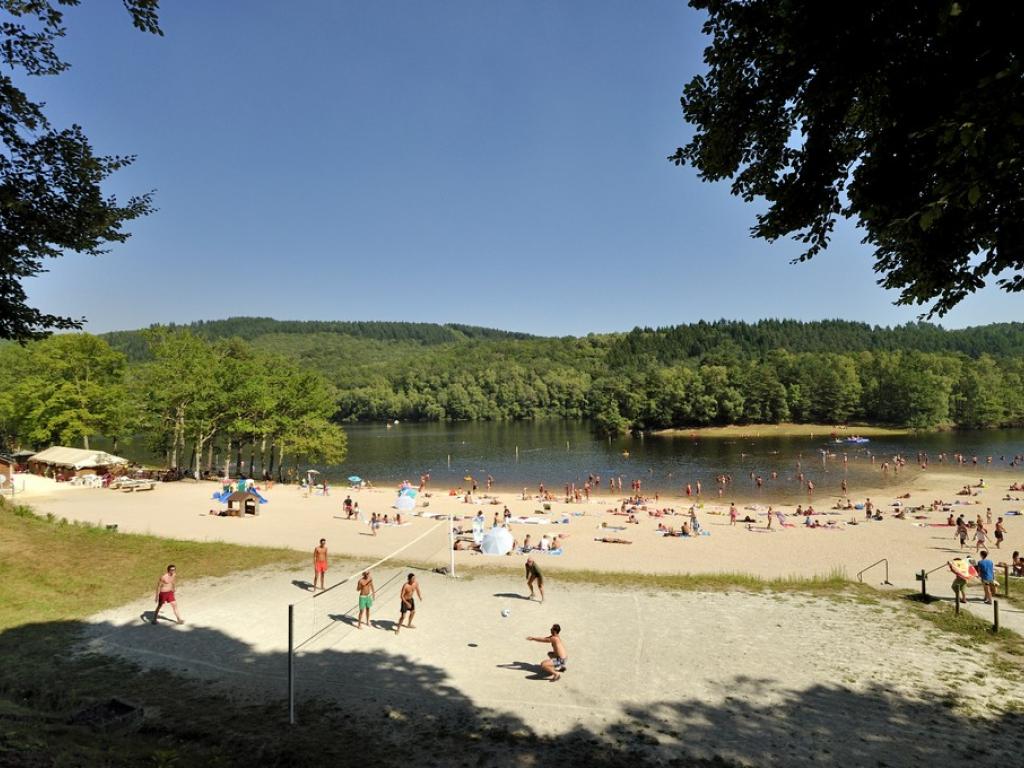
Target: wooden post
956	602
995	615
924	584
1006	580
291	664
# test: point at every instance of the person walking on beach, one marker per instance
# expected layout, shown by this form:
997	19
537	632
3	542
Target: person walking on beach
987	573
165	594
410	588
367	593
980	536
319	563
534	576
959	582
555	663
733	514
1000	533
961	531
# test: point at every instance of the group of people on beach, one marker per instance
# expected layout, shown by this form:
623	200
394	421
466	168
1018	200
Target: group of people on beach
367	591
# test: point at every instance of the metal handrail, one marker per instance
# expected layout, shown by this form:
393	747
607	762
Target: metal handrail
883	560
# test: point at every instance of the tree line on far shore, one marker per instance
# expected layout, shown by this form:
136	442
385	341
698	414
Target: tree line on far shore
200	404
199	398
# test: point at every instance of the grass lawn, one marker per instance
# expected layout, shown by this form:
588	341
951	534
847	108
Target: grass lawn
52	570
785	430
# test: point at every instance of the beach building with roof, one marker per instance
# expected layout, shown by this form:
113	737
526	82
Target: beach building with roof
75	461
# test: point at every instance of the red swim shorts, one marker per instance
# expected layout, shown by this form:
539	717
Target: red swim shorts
165	597
320	566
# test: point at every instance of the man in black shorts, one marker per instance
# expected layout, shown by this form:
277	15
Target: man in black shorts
534	576
408	608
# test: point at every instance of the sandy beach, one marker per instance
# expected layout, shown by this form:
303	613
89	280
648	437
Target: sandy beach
297	519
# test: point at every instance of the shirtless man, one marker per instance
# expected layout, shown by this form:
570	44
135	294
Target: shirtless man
410	588
533	575
557	658
319	563
367	594
165	594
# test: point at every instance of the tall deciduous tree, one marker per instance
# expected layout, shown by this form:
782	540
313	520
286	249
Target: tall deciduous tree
906	117
73	389
51	200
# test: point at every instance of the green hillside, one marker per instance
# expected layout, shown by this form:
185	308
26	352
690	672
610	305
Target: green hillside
132	343
918	374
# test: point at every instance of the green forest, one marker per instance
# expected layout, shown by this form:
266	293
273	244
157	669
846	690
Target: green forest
279	389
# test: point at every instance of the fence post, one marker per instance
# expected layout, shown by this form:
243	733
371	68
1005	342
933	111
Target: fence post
995	615
924	584
956	602
1006	580
291	665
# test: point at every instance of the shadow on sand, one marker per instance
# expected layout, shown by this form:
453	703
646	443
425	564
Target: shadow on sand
418	717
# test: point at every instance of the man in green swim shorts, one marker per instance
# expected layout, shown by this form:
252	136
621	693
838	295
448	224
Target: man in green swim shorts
367	593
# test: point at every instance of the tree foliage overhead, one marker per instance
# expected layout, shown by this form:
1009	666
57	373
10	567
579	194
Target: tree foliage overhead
51	200
907	117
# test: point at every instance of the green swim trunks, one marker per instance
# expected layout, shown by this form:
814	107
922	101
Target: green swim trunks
365	602
959	584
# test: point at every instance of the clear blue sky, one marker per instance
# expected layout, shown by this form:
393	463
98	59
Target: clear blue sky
493	163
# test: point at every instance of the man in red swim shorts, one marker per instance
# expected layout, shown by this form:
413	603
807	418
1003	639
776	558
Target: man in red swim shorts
165	594
319	563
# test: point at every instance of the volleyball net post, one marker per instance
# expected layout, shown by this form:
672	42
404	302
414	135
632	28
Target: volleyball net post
318	605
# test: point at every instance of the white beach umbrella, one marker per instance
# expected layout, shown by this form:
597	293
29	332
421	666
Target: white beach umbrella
497	541
404	504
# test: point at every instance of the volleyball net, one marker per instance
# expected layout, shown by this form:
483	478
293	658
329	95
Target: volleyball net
313	620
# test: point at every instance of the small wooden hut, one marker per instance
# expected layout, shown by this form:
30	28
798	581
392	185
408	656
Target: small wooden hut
241	503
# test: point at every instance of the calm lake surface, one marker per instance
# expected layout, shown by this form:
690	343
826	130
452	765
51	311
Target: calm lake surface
560	452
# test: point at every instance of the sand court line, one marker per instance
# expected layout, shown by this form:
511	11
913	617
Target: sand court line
99	644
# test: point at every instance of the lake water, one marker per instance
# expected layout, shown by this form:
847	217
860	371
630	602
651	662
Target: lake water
524	454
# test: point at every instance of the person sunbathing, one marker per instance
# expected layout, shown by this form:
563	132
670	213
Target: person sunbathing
461	544
612	540
1017	564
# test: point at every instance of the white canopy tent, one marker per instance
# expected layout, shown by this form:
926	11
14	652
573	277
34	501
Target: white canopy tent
76	458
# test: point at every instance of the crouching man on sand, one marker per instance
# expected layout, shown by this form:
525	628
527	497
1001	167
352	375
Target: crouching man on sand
557	658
